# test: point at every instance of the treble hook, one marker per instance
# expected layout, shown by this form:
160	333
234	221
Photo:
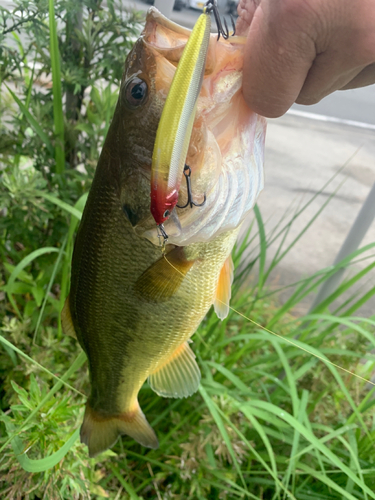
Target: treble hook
187	173
224	32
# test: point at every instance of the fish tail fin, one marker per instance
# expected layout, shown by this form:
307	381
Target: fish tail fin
100	433
135	425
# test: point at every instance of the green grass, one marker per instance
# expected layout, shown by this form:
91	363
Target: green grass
273	417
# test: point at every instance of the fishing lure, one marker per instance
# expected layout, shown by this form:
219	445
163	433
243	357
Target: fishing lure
176	122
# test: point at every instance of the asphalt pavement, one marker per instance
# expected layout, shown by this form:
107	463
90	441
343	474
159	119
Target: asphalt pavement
302	155
355	104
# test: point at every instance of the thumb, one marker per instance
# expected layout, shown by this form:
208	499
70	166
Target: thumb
278	56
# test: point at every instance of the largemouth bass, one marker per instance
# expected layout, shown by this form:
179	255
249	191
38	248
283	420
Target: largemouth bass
132	309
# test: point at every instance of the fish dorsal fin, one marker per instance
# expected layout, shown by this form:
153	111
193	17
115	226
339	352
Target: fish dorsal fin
223	292
179	376
161	281
66	320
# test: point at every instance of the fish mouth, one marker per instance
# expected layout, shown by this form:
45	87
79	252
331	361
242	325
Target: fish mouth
222	80
169	38
225	152
153	14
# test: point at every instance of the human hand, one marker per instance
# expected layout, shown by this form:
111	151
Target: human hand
302	50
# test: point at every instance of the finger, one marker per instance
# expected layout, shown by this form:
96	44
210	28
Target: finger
279	54
341	61
364	78
323	79
245	10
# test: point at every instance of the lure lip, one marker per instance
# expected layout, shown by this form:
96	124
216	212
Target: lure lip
162	205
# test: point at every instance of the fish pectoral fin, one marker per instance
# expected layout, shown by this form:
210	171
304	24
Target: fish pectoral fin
101	432
66	320
179	376
223	291
163	278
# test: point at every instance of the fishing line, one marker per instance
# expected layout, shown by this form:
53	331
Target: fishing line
321	358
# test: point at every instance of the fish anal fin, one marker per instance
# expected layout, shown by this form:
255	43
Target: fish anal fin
223	291
179	376
101	432
163	278
66	320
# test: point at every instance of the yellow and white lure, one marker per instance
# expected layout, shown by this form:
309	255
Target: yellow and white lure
177	119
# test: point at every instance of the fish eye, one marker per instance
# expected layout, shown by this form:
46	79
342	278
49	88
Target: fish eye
136	91
166	213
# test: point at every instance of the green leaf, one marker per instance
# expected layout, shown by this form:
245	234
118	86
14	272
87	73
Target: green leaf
127	486
84	127
38	294
263	247
8	344
216	416
43	464
33	123
58	113
22	275
57	263
60	203
19	288
295	424
78	362
326	480
24	262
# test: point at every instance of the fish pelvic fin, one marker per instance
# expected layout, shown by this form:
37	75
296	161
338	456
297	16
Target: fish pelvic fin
100	432
179	376
224	289
161	281
66	320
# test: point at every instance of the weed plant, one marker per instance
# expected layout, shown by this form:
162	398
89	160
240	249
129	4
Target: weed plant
273	418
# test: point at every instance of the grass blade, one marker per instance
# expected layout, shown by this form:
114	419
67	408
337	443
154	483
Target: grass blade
9	345
32	122
50	283
78	362
263	247
127	487
42	464
20	266
60	203
332	457
58	115
326	480
216	416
